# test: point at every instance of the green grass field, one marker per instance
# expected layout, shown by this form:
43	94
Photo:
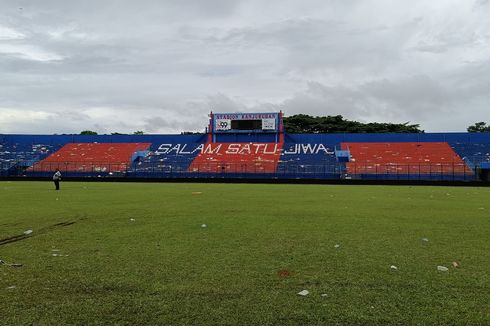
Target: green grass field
262	245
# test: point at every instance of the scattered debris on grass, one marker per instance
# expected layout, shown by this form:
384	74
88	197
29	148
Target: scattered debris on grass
455	264
337	246
283	273
27	232
442	268
481	208
425	240
2	262
393	268
324	295
11	287
59	255
132	219
197	193
55	250
204	226
304	293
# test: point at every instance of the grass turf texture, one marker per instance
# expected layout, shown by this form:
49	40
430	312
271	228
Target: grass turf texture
262	245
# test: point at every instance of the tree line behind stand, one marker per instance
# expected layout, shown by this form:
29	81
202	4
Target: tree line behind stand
303	123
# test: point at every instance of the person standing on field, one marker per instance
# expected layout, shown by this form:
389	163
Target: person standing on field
57	178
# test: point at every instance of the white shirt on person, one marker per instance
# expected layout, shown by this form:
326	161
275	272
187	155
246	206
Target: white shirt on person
57	176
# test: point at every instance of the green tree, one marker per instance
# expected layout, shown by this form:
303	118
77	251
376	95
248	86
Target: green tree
88	132
302	123
479	127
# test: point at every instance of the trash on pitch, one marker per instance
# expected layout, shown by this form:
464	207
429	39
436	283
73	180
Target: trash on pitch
304	293
425	240
204	226
2	262
442	268
27	232
132	219
11	287
59	255
324	295
393	267
197	193
337	246
455	264
283	273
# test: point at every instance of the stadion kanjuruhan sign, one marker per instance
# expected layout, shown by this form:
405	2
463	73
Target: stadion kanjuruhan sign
223	121
245	116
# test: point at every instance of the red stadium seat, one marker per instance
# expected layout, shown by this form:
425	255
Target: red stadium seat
91	157
404	158
238	158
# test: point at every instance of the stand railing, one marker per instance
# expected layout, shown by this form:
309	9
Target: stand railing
258	169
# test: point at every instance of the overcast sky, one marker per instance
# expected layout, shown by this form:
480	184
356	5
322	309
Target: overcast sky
160	66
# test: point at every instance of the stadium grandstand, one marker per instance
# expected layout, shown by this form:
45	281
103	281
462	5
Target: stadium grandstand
251	145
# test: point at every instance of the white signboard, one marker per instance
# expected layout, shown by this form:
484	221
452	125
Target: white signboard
222	124
268	124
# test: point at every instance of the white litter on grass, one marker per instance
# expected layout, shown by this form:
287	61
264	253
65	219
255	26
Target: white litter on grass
482	208
11	287
204	226
55	250
337	246
57	198
442	268
132	219
27	232
393	267
324	295
425	239
304	293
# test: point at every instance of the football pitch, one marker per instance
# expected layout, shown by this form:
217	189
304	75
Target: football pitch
239	254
